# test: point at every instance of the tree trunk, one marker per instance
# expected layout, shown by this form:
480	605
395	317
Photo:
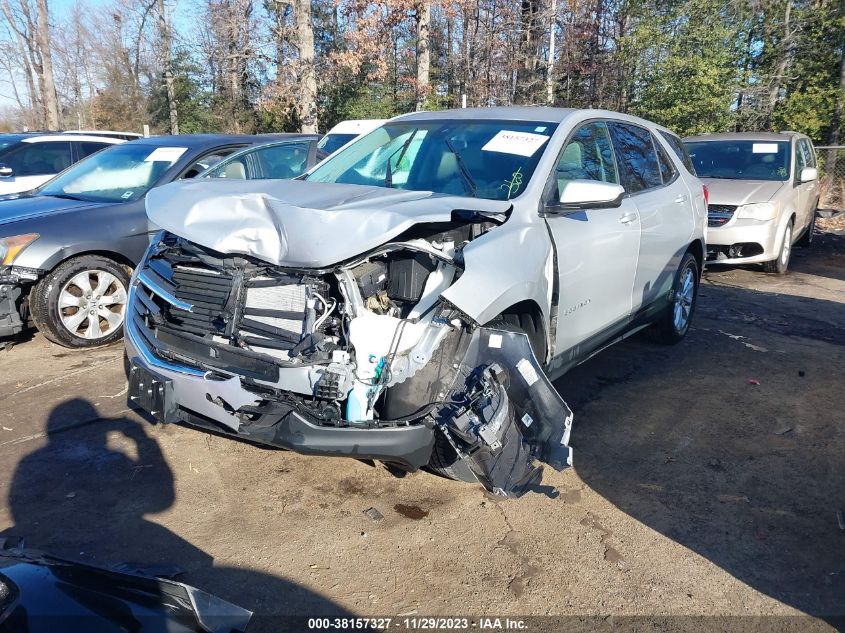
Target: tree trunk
550	64
783	61
48	84
167	61
531	28
308	75
423	52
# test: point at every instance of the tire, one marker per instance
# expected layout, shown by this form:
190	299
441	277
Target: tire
779	265
59	302
444	461
806	240
673	324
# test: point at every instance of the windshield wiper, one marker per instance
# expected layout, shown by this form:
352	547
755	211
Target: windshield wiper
388	174
462	168
64	196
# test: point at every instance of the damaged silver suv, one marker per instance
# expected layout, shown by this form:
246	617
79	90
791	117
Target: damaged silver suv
410	299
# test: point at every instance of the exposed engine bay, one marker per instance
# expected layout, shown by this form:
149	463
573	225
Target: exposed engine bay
366	344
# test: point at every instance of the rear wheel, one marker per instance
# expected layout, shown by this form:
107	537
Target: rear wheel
779	265
82	302
673	325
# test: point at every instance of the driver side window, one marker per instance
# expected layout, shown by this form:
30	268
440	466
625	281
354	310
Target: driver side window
800	161
588	155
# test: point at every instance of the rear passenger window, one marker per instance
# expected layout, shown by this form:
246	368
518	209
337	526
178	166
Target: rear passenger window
88	148
636	157
587	156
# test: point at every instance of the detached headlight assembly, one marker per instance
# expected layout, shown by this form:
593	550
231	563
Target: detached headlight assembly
11	247
758	211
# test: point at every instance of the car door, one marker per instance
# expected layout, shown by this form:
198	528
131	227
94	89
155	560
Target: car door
596	249
808	192
33	164
662	199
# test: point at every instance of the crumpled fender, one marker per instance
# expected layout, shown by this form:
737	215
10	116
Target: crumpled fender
511	416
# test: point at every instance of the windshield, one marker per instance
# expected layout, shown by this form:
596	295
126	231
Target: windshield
330	143
484	159
6	142
121	173
741	160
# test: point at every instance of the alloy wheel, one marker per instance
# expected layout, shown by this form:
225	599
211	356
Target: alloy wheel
684	296
92	304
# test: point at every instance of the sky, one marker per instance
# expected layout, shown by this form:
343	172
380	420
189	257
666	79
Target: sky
58	11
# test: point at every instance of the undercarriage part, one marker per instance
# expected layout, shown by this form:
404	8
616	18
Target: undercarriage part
10	319
507	414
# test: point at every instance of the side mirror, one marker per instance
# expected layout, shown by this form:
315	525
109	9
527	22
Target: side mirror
807	174
6	172
588	194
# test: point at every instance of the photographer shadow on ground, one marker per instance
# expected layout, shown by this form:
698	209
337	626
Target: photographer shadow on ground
85	495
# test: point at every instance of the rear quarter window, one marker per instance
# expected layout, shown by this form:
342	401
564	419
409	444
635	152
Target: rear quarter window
680	150
636	156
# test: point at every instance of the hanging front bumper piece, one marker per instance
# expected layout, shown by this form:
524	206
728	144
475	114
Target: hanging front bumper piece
500	412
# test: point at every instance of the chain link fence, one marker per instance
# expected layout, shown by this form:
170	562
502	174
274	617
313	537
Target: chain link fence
832	176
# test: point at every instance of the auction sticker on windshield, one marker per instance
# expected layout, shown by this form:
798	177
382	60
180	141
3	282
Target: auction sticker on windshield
764	148
165	154
519	143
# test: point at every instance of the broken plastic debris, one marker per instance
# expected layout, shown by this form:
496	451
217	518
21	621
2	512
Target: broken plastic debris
783	431
753	381
840	518
374	514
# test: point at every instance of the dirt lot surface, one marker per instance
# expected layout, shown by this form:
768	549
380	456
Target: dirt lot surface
707	481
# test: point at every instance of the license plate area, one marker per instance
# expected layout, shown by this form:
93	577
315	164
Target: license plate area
152	393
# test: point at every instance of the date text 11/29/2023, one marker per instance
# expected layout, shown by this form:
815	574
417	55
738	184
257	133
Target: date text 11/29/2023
418	623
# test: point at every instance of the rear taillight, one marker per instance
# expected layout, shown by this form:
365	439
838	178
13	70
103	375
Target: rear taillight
706	195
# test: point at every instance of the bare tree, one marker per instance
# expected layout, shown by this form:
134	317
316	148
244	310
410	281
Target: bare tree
423	15
786	44
307	70
167	65
45	77
31	28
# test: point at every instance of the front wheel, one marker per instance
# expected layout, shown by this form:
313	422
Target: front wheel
82	302
672	327
779	265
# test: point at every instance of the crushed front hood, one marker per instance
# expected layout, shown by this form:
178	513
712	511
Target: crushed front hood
298	223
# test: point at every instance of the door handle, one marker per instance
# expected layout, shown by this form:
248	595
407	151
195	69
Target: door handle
627	218
682	198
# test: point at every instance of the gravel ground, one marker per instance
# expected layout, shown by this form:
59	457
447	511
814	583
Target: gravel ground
707	481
